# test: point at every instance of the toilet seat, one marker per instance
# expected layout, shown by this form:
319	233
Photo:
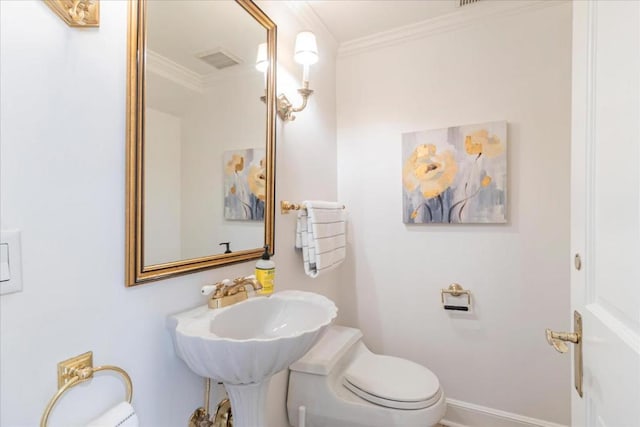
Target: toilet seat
392	382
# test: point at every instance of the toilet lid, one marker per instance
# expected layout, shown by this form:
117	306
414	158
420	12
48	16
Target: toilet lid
392	382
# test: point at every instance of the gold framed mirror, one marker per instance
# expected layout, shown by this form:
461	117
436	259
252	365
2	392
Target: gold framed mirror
200	136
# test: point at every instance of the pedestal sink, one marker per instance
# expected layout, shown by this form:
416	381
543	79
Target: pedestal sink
245	344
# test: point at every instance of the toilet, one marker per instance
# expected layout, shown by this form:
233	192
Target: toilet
341	383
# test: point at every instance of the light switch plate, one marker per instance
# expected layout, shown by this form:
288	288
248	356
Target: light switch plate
5	272
11	262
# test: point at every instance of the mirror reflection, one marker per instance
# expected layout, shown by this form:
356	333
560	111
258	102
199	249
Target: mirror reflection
201	136
205	131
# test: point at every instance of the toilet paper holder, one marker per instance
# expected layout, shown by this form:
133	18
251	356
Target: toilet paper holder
455	290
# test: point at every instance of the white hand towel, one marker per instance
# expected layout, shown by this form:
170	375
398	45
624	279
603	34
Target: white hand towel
320	233
121	415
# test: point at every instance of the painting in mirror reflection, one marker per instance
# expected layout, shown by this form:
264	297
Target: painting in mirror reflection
244	184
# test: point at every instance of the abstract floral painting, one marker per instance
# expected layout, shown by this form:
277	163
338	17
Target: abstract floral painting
244	184
455	175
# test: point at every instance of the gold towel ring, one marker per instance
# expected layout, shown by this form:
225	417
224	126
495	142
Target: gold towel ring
76	375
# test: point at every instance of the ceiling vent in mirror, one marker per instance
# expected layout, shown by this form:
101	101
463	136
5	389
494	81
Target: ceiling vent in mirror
219	59
467	2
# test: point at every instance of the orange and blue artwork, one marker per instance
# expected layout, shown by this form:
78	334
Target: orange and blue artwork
455	175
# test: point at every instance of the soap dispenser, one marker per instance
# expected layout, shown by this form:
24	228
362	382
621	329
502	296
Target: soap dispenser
265	272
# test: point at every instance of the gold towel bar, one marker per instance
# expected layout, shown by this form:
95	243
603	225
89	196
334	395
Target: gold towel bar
286	206
76	370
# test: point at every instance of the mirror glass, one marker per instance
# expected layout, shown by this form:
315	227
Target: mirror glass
203	144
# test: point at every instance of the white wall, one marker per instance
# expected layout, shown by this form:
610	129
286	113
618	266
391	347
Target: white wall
62	184
515	68
162	215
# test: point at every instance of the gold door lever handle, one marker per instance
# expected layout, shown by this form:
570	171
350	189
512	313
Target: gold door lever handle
558	339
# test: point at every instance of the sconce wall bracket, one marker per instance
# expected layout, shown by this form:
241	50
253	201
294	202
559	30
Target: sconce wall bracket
286	109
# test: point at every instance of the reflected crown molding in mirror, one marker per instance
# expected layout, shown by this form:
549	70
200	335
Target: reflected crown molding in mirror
173	71
169	83
77	13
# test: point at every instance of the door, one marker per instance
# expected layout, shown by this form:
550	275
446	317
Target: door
605	210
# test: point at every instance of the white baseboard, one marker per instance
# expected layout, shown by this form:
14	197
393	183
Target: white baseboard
463	414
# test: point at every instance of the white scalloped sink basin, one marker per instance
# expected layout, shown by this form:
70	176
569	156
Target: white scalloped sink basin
250	341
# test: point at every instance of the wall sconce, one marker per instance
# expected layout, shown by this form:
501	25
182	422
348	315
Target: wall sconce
262	65
262	60
306	54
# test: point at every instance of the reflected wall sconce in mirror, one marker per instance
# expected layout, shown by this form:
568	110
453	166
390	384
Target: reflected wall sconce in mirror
306	54
77	13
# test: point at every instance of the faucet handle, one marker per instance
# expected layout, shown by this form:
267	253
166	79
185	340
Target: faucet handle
215	289
207	289
250	281
243	279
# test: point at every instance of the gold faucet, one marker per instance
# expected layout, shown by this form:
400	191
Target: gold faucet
241	284
226	294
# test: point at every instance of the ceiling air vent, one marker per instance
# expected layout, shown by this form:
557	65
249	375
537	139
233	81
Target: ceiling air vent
467	2
219	59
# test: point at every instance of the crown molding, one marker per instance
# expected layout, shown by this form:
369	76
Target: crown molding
465	17
308	18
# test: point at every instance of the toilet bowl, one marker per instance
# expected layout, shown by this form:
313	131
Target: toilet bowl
341	383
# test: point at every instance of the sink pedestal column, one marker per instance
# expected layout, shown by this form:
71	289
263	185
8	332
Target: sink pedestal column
248	403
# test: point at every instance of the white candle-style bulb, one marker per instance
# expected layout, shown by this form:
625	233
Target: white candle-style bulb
306	48
305	73
262	59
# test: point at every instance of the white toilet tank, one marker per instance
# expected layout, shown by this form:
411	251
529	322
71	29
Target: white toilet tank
330	387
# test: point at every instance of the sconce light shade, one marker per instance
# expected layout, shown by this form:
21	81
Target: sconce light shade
306	49
262	60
